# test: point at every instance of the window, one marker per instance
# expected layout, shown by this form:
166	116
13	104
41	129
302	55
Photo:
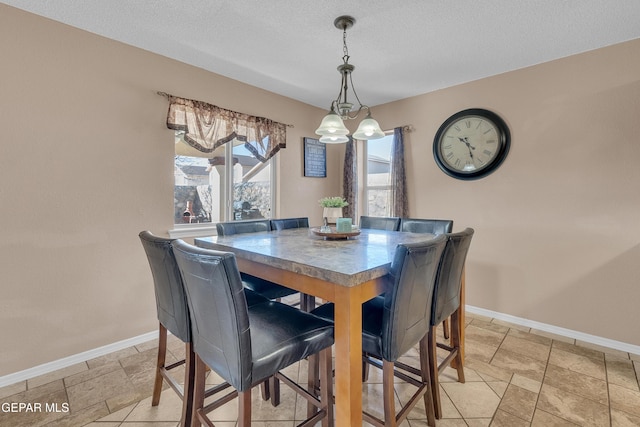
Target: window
227	185
377	188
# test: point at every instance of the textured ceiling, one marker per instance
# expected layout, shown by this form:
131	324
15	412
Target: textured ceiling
400	48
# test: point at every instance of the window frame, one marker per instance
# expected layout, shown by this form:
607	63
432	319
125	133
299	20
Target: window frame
209	228
366	188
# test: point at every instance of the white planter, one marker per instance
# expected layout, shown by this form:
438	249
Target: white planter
332	214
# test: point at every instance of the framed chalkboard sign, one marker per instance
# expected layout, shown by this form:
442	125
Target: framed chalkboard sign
315	158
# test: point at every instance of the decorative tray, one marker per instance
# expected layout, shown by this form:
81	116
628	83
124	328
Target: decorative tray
335	234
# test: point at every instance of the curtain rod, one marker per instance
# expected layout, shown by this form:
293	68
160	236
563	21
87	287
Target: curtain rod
166	95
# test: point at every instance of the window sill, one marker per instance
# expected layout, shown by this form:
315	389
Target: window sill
191	231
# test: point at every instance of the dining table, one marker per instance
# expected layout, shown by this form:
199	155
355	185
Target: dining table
347	271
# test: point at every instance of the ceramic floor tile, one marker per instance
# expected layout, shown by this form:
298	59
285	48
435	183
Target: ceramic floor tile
92	373
545	419
526	383
527	347
623	419
571	407
478	422
635	357
52	393
519	364
519	402
622	373
439	423
511	326
480	351
599	348
499	387
475	334
505	419
57	375
116	355
578	363
169	409
79	418
120	415
487	371
473	400
530	337
582	351
490	326
13	389
624	399
573	382
554	337
99	389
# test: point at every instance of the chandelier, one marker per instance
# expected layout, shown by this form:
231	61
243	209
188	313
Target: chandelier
332	129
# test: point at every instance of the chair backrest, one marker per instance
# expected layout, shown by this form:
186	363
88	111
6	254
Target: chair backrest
218	309
446	298
282	224
380	223
407	306
171	301
239	227
432	226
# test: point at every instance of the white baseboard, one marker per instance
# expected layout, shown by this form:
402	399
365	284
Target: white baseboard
581	336
76	358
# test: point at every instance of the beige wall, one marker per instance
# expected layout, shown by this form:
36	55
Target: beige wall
86	163
557	226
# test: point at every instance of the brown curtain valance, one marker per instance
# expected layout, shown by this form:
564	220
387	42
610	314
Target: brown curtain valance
207	127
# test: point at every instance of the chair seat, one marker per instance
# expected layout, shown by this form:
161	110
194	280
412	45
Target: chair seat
254	298
264	287
372	312
282	335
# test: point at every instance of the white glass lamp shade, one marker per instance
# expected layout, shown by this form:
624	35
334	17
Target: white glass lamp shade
368	129
334	139
332	125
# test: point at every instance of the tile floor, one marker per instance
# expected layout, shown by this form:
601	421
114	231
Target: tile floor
514	377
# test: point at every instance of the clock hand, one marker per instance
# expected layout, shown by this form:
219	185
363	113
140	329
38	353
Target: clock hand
469	146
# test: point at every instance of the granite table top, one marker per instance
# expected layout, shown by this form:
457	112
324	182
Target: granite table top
342	262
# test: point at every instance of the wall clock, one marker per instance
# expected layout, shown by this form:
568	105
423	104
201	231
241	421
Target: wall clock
471	144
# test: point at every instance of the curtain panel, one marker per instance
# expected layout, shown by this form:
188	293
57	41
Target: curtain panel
350	180
399	201
207	127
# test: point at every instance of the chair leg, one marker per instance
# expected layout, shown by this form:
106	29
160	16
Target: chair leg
445	328
433	372
326	386
313	382
244	408
388	394
455	343
274	390
198	392
426	379
162	355
189	379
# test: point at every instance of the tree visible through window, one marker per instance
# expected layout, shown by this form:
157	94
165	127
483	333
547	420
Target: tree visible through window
377	189
228	184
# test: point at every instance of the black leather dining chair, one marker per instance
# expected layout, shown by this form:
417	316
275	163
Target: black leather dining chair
286	223
173	316
431	226
264	287
246	345
394	323
446	303
390	223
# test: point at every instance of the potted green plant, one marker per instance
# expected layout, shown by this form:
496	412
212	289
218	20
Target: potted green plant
332	207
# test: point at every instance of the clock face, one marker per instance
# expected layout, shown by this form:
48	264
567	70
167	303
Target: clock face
471	144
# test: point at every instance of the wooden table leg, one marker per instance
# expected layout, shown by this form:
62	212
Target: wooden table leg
348	358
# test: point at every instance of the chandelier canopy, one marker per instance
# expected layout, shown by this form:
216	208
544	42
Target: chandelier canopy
332	129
